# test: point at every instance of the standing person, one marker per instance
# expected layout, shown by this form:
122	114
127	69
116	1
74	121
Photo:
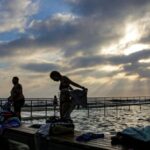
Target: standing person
55	103
66	105
16	96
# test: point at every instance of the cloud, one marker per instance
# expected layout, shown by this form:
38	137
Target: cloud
75	42
90	26
107	8
74	33
93	65
110	59
14	14
40	67
130	63
140	69
16	47
95	73
146	37
77	33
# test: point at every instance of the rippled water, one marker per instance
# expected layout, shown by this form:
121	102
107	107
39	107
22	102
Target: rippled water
110	122
113	121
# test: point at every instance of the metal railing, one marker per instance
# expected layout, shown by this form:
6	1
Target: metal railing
45	105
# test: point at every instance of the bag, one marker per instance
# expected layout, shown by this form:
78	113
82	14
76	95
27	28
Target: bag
53	119
6	115
7	106
60	126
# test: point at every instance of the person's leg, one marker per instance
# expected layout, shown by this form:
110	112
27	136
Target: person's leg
21	105
17	109
64	110
67	108
64	98
60	110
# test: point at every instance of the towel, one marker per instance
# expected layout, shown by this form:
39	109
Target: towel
79	97
89	136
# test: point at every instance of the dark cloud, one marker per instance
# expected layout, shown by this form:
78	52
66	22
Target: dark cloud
79	35
108	8
89	61
132	58
24	46
40	67
17	47
140	69
98	23
72	36
130	62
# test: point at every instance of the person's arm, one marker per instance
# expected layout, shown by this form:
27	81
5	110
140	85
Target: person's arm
75	84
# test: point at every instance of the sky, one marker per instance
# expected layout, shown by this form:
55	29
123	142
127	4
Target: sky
103	45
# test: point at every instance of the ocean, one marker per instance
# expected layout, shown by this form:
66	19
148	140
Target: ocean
97	120
109	122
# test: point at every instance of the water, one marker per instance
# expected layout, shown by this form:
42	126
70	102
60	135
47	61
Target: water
112	122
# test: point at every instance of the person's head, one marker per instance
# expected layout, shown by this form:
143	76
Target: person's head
55	75
15	80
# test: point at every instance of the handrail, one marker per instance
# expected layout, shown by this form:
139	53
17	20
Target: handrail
46	104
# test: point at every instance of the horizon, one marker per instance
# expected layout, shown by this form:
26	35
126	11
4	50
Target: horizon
99	44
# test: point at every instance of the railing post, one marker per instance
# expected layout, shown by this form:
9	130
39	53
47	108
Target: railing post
129	107
117	110
104	109
88	111
140	104
1	102
31	110
46	108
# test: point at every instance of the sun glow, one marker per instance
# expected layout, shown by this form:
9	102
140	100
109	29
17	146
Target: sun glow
131	33
144	61
109	68
130	39
92	80
135	48
128	43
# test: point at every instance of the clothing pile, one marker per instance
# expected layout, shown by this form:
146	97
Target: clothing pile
56	126
137	138
8	118
89	136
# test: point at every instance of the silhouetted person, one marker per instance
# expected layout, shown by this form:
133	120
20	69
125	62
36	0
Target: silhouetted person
66	106
16	96
55	103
